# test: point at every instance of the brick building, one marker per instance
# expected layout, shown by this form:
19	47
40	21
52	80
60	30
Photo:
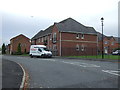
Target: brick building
110	43
67	38
23	41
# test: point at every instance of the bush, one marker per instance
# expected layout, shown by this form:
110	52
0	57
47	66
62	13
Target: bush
3	49
19	49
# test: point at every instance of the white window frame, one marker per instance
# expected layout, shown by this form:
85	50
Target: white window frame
54	47
39	40
82	36
82	48
105	42
42	39
50	37
77	47
112	43
77	36
54	37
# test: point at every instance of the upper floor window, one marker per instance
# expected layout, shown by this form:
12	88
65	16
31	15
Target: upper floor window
112	43
105	42
39	40
82	36
77	36
42	39
54	37
50	36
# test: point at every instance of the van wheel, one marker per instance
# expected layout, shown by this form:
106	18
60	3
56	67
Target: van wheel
31	56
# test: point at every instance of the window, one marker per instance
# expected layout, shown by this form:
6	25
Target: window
77	36
54	37
42	39
51	37
112	43
82	47
105	42
77	47
50	47
82	36
39	40
54	47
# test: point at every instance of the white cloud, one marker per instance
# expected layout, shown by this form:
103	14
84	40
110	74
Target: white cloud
58	8
46	12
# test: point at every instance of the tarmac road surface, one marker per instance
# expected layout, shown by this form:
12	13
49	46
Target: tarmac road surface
68	73
12	75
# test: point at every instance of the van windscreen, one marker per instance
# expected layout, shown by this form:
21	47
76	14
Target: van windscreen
45	49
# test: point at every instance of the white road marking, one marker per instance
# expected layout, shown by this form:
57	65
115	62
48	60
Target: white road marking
81	64
47	59
112	72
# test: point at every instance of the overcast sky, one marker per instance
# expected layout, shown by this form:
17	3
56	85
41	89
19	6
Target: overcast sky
29	16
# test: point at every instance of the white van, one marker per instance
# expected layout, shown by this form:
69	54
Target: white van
39	50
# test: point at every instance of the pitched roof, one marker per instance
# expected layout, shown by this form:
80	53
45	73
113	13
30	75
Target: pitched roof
100	36
18	36
71	25
108	37
67	25
43	33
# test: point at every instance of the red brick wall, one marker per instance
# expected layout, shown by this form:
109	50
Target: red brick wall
25	44
111	47
72	36
69	43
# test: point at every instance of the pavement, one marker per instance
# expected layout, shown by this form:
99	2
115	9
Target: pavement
11	74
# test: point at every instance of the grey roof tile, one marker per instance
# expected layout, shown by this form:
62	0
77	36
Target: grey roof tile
67	25
43	33
71	25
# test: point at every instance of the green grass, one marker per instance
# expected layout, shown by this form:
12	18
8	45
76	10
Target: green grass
98	57
23	55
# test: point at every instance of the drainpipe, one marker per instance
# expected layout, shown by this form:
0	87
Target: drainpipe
60	45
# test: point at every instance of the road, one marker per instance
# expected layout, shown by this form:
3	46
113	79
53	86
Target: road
68	73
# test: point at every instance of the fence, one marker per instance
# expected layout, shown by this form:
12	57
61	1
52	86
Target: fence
88	52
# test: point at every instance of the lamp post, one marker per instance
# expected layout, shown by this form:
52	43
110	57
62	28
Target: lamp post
102	39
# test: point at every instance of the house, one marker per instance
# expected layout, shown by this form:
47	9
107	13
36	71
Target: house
23	41
8	49
110	43
117	42
67	38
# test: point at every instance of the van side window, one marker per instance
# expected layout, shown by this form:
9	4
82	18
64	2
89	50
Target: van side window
39	50
36	47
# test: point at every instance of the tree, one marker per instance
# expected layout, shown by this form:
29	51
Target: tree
19	49
25	51
3	49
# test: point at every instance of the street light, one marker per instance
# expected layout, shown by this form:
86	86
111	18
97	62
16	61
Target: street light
102	39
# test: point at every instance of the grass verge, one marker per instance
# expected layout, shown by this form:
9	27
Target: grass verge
116	57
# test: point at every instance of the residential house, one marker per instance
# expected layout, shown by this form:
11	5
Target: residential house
8	49
23	41
110	43
67	38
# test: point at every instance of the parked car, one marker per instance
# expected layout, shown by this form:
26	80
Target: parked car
116	52
39	51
